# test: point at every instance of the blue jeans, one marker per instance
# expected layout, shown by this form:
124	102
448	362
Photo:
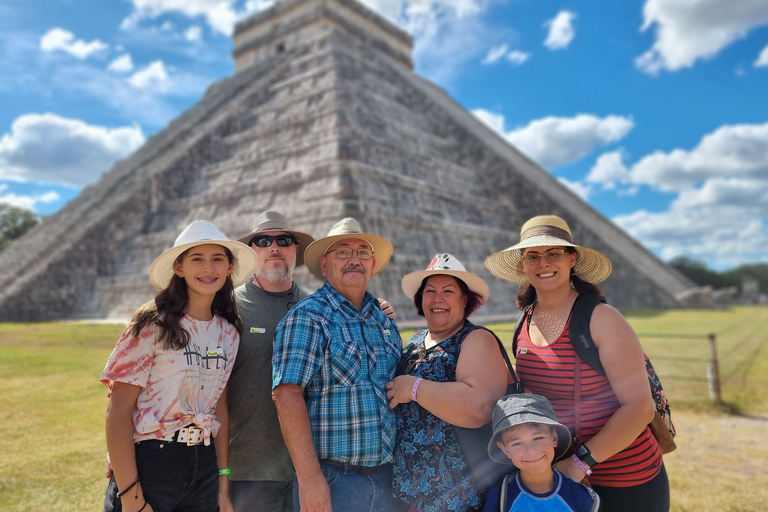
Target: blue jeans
354	492
264	496
174	477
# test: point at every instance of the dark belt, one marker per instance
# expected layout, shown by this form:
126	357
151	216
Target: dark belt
364	470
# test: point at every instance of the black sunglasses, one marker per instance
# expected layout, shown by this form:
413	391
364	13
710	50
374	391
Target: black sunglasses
266	240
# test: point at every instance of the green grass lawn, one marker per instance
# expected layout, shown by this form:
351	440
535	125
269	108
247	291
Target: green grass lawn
53	410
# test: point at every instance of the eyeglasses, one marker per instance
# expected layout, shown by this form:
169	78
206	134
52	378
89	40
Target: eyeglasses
346	253
552	256
266	240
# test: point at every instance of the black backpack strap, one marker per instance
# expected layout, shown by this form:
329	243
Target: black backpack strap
578	330
519	327
516	386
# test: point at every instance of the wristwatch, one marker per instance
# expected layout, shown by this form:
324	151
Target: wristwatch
583	453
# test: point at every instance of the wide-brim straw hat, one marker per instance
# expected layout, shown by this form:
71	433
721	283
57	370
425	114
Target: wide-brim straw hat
347	228
545	231
274	221
448	265
518	409
201	232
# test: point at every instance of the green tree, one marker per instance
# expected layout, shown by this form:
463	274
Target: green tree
15	222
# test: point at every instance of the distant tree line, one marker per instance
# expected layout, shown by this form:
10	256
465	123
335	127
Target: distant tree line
698	272
14	222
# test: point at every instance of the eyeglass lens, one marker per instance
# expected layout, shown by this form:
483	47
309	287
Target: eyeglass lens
266	240
345	253
552	256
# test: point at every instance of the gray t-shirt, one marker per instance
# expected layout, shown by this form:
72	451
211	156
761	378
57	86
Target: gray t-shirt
257	451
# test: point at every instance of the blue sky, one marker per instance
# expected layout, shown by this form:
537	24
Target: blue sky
654	111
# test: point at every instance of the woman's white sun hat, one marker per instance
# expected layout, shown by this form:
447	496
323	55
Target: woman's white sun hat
447	265
547	231
201	232
347	228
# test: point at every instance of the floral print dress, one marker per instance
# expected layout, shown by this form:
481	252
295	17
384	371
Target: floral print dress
430	473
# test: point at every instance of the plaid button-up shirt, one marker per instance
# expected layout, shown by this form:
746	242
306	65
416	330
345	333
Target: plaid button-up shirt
342	358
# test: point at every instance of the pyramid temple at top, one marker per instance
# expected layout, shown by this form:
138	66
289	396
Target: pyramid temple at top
323	119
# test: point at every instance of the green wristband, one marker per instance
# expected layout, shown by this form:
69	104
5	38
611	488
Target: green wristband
224	471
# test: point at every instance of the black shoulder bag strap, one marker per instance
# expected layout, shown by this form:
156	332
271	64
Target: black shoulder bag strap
516	386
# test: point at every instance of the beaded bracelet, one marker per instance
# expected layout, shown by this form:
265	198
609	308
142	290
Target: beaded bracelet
413	390
586	469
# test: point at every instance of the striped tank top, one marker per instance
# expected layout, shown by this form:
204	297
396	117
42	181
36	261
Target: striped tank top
549	371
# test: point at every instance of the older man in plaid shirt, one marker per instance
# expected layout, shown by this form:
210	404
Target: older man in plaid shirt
334	352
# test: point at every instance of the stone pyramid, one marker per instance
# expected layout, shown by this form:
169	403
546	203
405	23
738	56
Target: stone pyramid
323	119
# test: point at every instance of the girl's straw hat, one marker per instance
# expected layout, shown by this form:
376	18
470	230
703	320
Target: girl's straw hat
545	231
447	265
201	232
347	228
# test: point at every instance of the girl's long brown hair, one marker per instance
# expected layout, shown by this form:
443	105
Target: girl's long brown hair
170	305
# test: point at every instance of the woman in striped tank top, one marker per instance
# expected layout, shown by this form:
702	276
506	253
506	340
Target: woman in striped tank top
608	416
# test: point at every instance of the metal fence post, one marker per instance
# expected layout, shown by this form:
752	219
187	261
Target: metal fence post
714	371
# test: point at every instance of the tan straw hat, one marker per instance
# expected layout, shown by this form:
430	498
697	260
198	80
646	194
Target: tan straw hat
201	232
273	221
447	265
546	231
347	228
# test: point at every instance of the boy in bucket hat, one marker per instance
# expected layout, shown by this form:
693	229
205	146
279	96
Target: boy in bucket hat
527	434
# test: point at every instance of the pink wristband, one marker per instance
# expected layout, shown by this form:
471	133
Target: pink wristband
586	469
413	390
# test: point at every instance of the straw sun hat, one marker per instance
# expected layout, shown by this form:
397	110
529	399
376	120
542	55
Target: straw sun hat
347	228
201	232
546	231
273	221
447	265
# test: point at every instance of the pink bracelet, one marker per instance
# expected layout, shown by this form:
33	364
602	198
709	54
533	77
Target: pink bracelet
586	469
413	390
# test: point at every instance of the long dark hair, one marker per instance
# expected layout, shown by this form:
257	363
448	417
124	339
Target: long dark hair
527	294
170	305
474	300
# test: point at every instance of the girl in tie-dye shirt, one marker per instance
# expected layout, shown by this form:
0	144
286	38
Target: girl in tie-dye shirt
167	378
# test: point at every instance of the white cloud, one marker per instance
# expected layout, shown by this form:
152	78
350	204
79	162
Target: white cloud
122	64
495	121
762	59
554	141
495	53
579	188
219	14
731	150
154	77
687	31
193	33
29	202
561	31
720	212
63	40
517	57
52	149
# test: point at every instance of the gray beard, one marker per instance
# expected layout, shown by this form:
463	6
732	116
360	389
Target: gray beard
276	274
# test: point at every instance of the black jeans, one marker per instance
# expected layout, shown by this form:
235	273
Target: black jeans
174	478
652	496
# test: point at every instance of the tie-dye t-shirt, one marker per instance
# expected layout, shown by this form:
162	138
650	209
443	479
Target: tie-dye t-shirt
178	387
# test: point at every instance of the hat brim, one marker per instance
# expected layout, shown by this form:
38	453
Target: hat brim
591	266
382	251
412	282
304	239
563	435
246	260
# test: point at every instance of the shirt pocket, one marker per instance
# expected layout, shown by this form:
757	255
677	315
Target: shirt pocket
345	359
